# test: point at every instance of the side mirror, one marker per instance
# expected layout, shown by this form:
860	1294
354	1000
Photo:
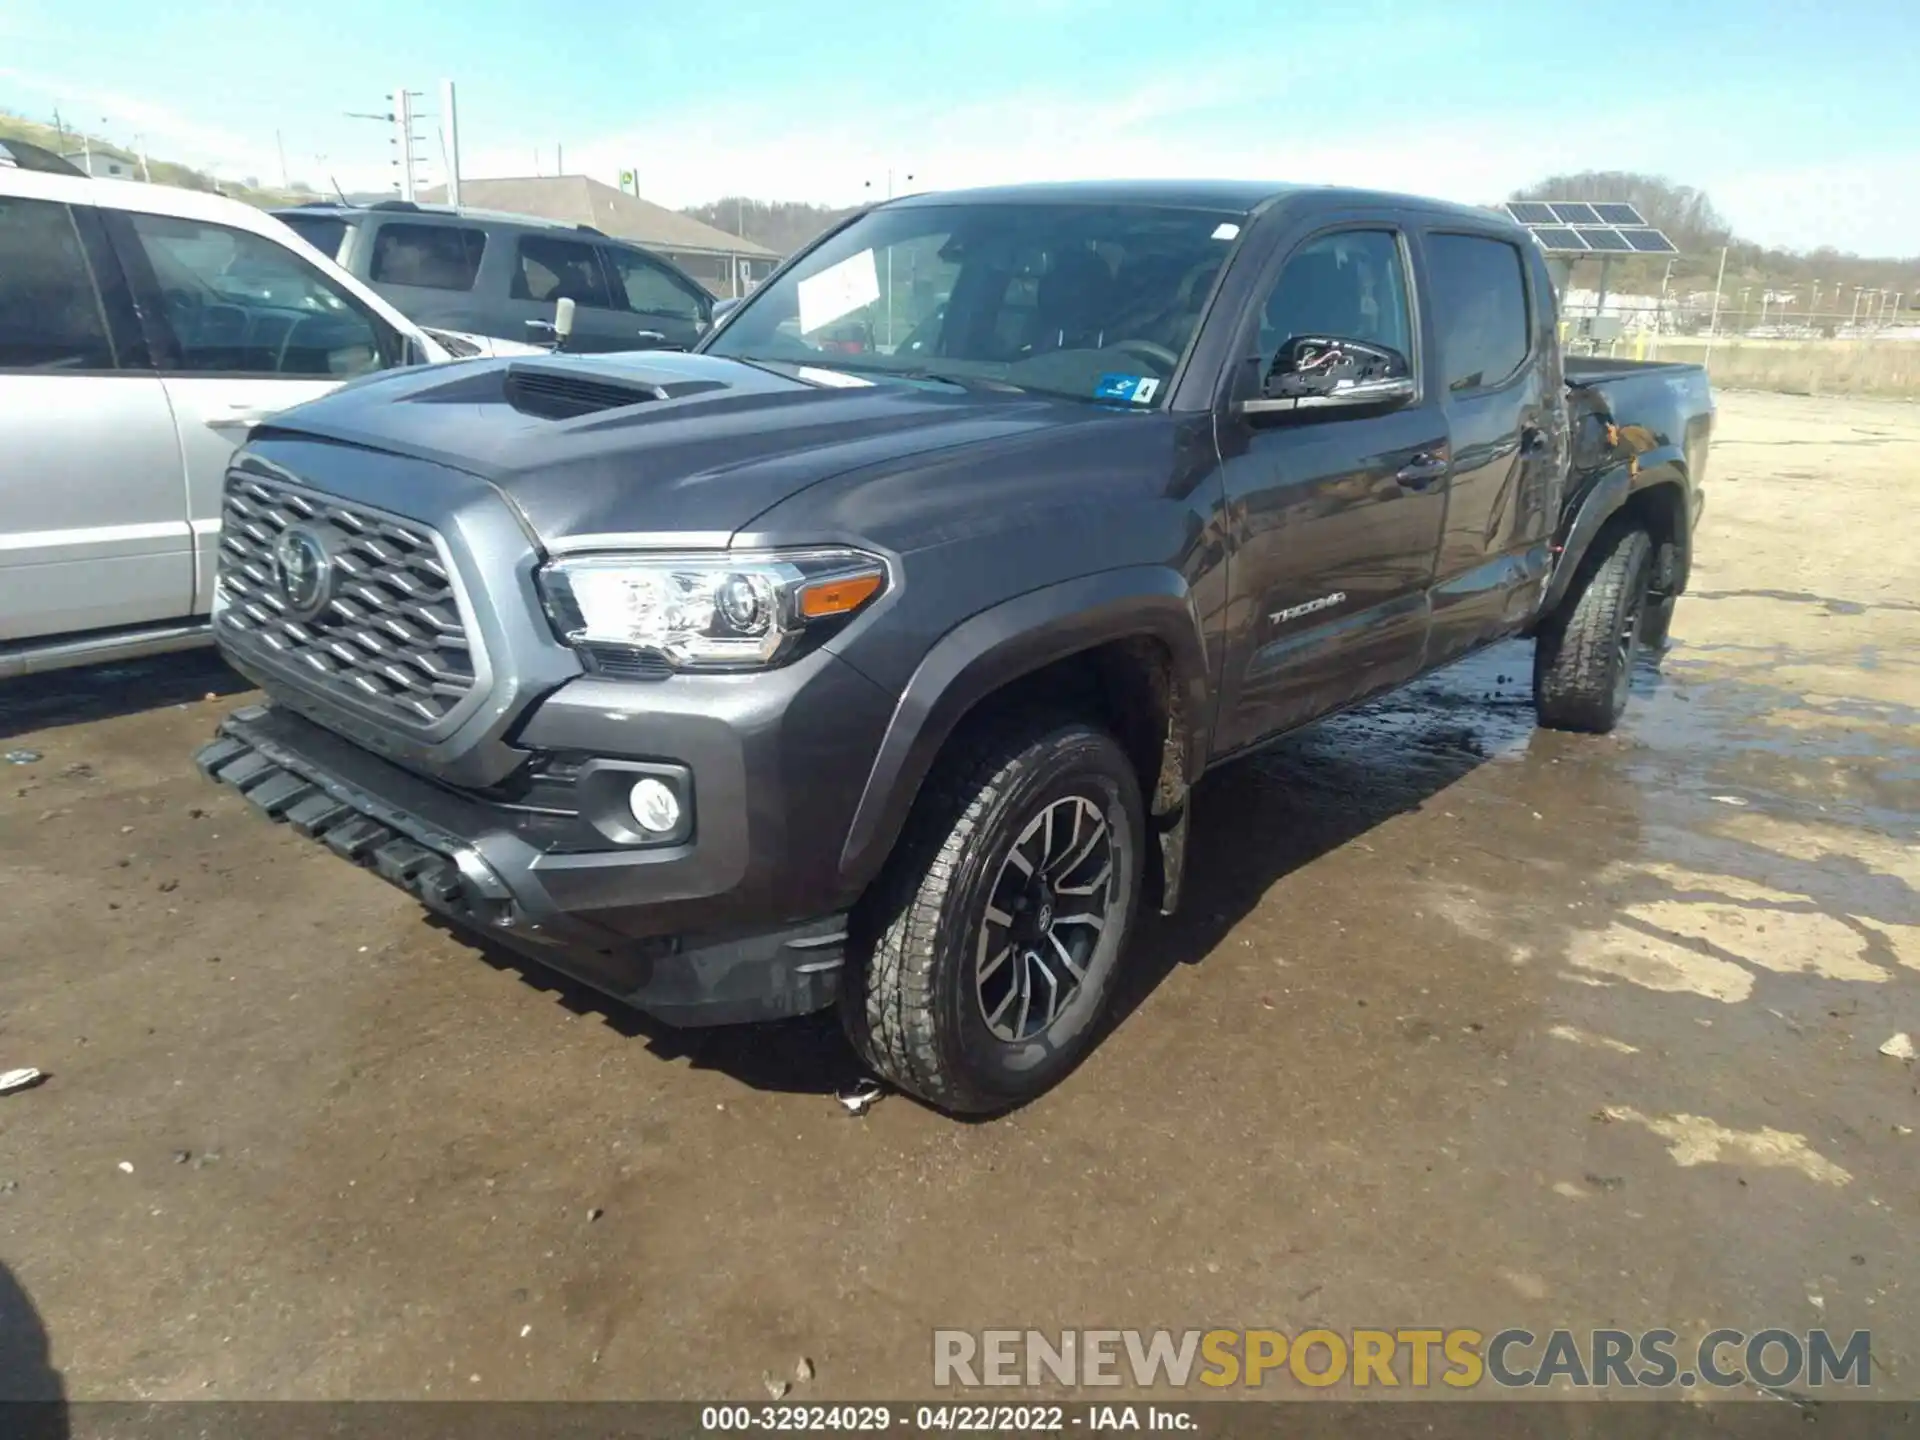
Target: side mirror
721	307
1328	372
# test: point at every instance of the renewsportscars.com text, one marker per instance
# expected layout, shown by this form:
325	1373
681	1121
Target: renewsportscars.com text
1411	1358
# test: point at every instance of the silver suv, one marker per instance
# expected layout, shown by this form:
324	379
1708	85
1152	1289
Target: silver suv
143	331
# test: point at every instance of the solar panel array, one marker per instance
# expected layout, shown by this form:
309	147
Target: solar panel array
1589	227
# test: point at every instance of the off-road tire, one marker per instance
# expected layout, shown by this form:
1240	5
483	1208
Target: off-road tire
1583	660
910	1003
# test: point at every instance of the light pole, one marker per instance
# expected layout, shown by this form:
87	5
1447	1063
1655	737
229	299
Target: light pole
1713	319
868	185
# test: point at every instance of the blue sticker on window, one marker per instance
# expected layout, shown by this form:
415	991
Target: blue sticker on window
1128	389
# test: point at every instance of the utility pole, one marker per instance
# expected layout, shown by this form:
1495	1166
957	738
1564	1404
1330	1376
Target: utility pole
1713	320
399	114
403	118
279	144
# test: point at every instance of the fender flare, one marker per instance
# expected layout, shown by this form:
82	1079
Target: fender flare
1608	495
999	645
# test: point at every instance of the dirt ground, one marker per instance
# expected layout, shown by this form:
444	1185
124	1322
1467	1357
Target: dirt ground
1466	1024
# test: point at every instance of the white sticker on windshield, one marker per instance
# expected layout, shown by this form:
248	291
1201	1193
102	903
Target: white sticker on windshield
833	379
1226	230
838	290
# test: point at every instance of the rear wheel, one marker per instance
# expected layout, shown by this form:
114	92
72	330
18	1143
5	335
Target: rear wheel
995	935
1583	660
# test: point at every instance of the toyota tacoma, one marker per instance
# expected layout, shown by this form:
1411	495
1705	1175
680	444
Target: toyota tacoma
868	654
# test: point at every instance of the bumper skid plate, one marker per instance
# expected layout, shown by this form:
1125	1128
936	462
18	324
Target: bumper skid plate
684	979
446	877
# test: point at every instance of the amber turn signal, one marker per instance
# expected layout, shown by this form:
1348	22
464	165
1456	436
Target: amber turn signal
839	596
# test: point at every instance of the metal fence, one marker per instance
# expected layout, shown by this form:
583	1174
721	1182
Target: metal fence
1759	340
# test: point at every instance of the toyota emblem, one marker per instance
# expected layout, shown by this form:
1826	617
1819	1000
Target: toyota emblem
303	572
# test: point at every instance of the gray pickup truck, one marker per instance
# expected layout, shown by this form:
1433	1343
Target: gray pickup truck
868	655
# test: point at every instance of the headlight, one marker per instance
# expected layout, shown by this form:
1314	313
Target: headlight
707	612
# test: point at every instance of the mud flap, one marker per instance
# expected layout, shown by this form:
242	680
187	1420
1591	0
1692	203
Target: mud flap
1172	830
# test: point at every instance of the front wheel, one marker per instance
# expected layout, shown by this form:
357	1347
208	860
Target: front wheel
1583	660
996	933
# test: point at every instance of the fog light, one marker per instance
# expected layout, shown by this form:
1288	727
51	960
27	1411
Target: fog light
654	805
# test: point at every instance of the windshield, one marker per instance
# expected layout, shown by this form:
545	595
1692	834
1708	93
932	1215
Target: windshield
1096	302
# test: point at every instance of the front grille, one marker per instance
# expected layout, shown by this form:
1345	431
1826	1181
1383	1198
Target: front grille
390	636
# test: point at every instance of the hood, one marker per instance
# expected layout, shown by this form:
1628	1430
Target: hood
659	441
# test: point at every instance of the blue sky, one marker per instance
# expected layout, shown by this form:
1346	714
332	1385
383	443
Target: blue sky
1801	120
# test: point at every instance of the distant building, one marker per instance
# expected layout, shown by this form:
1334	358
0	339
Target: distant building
726	264
105	165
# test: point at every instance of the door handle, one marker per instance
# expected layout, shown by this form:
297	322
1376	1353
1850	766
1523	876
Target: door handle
240	413
1423	470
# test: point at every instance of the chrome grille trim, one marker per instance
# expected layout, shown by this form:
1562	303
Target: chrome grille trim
393	640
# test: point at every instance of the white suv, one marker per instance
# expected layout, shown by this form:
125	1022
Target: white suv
143	330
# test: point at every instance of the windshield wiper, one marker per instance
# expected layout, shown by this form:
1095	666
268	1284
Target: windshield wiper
965	382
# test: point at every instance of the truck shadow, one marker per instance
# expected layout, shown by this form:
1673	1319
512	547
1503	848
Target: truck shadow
1259	820
1254	822
103	692
33	1397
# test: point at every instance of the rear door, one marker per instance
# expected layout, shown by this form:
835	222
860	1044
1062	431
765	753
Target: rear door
659	300
1335	514
94	527
550	265
1498	376
241	327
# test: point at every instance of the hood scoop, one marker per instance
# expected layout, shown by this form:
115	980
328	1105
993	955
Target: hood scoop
557	394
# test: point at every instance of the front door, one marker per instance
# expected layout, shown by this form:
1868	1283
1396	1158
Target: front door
660	301
1335	517
93	511
243	327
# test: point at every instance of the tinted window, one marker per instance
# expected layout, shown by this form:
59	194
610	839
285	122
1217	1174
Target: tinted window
436	257
238	303
1479	308
323	232
1351	285
550	269
641	285
50	317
